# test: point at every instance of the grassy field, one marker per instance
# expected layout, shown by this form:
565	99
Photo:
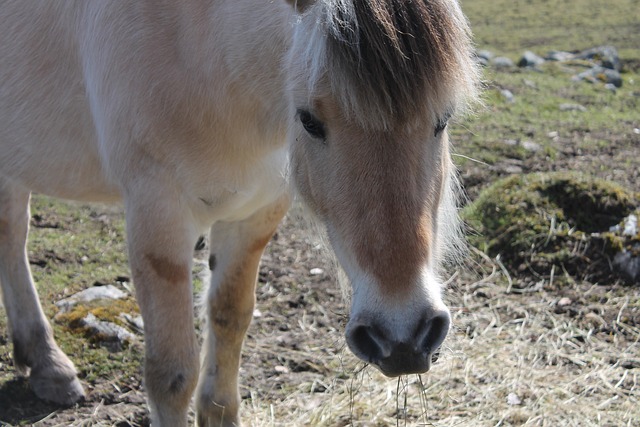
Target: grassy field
515	356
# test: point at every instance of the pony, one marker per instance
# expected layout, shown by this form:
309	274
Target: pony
210	116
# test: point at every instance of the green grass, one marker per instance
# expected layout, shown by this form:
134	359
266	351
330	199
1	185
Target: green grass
510	27
536	113
80	251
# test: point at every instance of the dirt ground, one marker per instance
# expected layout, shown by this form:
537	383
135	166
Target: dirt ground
534	355
295	343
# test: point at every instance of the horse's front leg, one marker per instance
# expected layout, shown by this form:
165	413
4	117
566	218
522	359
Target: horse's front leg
235	253
53	376
161	240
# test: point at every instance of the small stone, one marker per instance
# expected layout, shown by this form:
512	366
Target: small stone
600	74
572	107
630	226
530	59
316	271
612	77
553	135
607	56
513	399
257	313
512	169
628	265
483	62
502	62
560	56
90	294
281	369
531	146
611	87
564	301
135	322
107	334
483	57
484	54
508	96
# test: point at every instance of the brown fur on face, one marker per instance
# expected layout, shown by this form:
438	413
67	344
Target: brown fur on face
380	194
394	224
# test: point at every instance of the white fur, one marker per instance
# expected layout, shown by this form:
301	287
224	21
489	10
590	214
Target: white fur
184	111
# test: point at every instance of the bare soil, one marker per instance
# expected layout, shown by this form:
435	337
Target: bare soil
521	352
295	345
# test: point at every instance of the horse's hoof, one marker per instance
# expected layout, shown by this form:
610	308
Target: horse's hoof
63	390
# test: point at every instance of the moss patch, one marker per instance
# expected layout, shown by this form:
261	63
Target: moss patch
106	310
538	221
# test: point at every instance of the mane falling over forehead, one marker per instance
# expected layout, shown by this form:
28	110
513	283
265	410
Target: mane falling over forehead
392	62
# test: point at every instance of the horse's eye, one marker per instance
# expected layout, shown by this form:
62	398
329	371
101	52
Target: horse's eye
313	126
440	127
442	123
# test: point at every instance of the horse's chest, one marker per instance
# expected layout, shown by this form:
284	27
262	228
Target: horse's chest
230	193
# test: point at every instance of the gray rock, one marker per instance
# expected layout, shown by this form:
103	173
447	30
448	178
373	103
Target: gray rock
607	56
628	226
508	95
611	87
612	77
560	56
135	322
512	169
527	145
531	146
530	59
572	107
627	261
484	54
107	334
628	265
483	62
502	62
483	57
509	166
90	294
601	74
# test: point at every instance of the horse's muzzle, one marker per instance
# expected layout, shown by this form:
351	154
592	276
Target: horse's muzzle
376	344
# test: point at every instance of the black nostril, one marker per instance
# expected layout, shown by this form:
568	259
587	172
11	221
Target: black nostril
434	332
363	344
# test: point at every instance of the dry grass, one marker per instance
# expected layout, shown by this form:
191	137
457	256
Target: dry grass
512	359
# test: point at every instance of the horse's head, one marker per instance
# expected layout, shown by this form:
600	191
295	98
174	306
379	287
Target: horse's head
372	84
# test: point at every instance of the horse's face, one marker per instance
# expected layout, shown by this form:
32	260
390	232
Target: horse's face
370	87
378	193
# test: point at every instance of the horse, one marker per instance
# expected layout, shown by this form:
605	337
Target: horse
210	116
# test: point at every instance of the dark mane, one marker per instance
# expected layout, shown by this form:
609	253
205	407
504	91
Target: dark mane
393	61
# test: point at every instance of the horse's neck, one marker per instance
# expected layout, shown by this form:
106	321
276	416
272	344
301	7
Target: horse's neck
242	39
